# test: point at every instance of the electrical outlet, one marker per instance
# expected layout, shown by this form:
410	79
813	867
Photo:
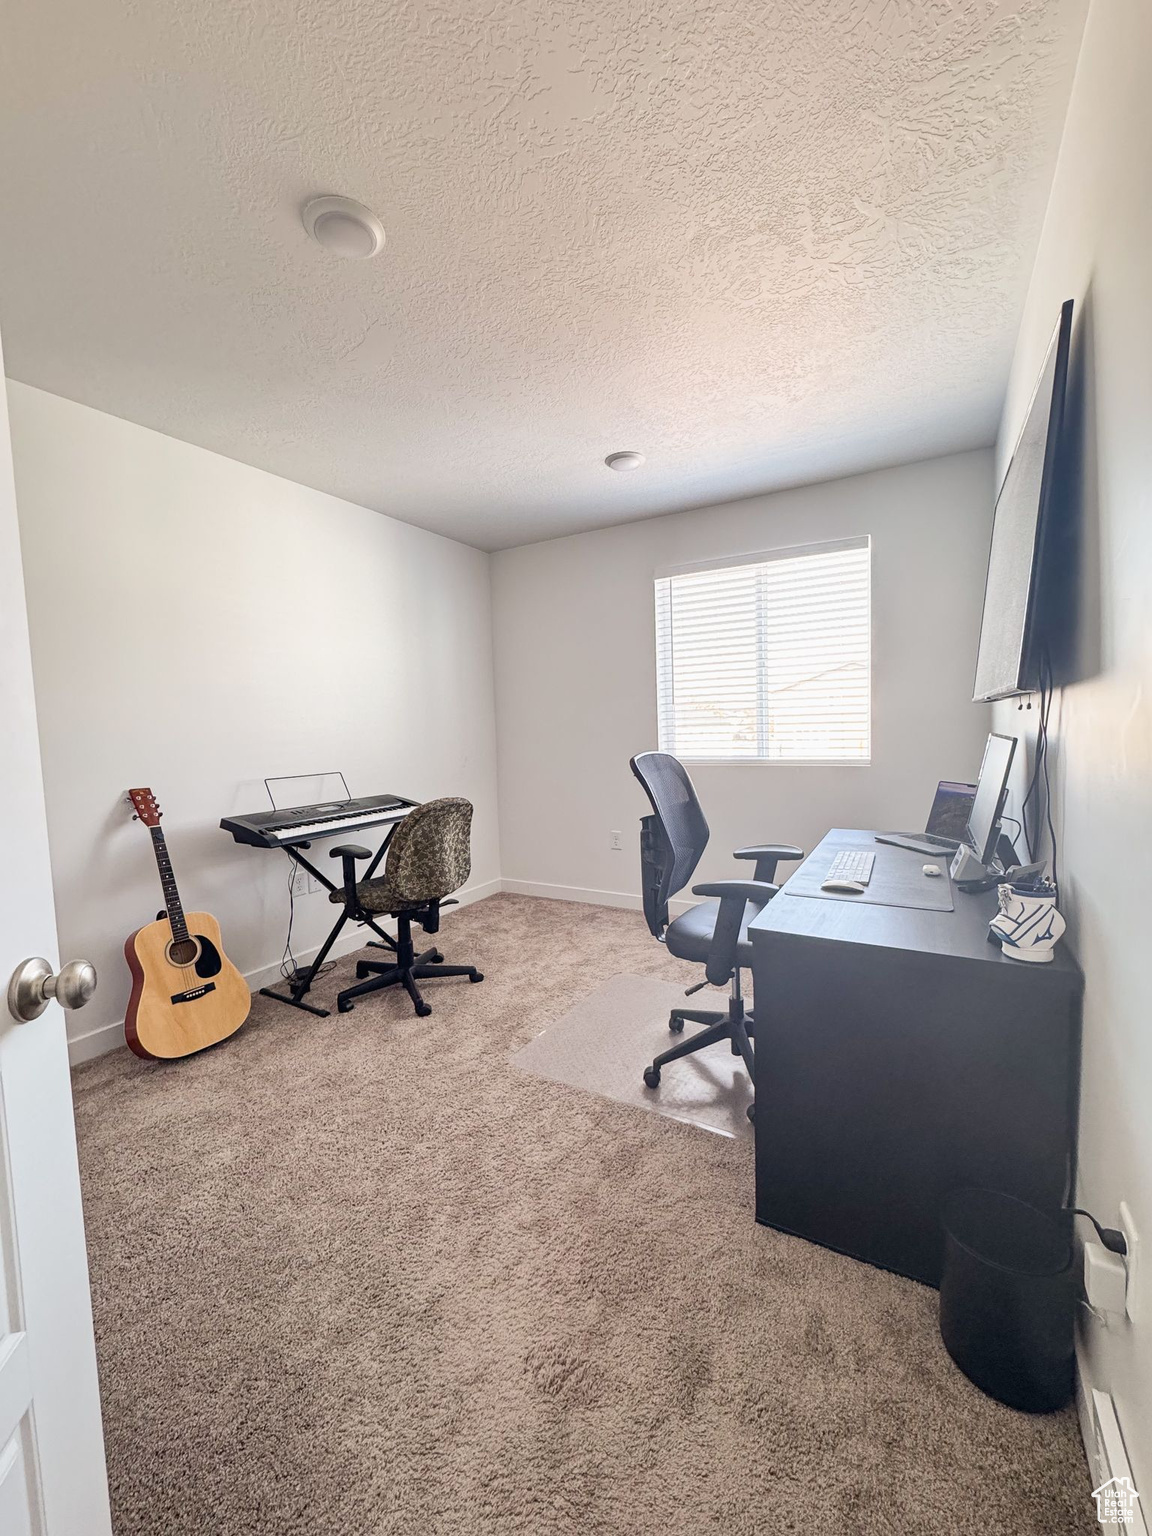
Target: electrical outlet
299	882
1105	1280
616	842
1132	1238
313	884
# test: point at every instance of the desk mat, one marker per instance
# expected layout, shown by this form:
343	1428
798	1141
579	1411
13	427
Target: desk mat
898	880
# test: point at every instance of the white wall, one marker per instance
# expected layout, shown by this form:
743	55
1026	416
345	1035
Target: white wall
1095	249
575	670
196	625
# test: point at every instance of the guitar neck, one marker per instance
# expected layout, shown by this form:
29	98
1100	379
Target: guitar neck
168	882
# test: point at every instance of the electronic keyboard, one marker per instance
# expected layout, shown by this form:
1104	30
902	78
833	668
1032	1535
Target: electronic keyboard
301	823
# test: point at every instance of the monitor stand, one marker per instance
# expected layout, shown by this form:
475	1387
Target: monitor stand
969	874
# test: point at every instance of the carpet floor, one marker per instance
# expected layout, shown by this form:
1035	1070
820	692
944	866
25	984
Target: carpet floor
361	1275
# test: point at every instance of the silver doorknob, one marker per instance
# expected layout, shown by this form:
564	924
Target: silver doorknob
33	985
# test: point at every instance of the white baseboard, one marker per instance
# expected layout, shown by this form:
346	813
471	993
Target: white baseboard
1104	1446
95	1042
594	898
1092	1448
573	893
108	1037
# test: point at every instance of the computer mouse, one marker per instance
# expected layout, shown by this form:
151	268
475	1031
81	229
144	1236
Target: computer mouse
847	887
932	869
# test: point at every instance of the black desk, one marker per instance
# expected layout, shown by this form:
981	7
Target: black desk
899	1054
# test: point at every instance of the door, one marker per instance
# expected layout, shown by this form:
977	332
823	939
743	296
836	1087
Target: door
52	1480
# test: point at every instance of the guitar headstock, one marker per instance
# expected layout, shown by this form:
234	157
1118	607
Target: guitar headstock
146	806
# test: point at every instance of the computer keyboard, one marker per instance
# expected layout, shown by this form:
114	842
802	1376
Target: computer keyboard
851	865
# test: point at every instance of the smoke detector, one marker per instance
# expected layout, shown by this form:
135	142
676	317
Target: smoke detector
344	227
626	460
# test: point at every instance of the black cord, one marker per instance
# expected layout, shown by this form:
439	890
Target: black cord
1112	1238
1040	785
1047	781
1029	836
1019	833
288	965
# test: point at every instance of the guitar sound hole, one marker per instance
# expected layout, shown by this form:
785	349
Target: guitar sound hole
183	951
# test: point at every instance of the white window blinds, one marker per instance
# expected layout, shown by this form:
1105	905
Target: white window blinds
768	658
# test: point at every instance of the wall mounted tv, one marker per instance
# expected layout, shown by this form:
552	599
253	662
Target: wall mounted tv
1018	619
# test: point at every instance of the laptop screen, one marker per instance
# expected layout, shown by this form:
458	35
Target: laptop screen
950	809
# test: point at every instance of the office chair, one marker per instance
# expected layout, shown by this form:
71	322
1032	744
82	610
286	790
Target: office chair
428	858
713	933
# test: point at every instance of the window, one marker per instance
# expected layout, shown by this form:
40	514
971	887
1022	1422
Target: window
767	658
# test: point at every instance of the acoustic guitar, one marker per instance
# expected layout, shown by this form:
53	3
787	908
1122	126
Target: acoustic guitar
186	993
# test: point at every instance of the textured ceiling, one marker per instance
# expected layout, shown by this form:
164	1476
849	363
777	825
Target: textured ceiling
763	243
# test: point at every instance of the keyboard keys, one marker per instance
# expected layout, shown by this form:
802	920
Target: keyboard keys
852	865
339	824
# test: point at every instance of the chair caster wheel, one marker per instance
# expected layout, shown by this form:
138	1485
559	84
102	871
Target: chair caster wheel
361	970
423	1010
751	1112
476	976
652	1077
436	959
676	1025
344	1007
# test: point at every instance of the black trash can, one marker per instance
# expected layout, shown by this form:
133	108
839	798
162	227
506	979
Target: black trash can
1008	1298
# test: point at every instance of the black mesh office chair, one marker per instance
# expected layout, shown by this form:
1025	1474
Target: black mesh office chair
714	933
428	858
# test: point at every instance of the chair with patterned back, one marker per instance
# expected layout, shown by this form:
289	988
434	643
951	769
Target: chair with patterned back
428	858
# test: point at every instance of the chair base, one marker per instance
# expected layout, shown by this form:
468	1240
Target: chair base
737	1026
406	970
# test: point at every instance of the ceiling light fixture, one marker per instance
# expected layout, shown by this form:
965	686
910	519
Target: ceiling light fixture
626	460
344	227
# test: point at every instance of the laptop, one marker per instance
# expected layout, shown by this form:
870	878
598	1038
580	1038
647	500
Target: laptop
947	819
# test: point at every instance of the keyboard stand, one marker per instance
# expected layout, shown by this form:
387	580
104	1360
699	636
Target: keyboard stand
301	984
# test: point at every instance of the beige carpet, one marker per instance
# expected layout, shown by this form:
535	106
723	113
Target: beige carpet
361	1275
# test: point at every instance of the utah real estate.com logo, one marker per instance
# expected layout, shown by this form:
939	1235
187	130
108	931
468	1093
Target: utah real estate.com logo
1115	1502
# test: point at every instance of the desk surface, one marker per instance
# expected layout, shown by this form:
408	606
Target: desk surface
961	934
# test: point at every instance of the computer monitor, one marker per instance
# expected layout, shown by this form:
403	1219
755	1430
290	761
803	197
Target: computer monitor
983	826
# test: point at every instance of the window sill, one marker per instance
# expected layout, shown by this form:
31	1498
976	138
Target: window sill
775	762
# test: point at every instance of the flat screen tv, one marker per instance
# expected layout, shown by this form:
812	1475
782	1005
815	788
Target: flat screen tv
1014	626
